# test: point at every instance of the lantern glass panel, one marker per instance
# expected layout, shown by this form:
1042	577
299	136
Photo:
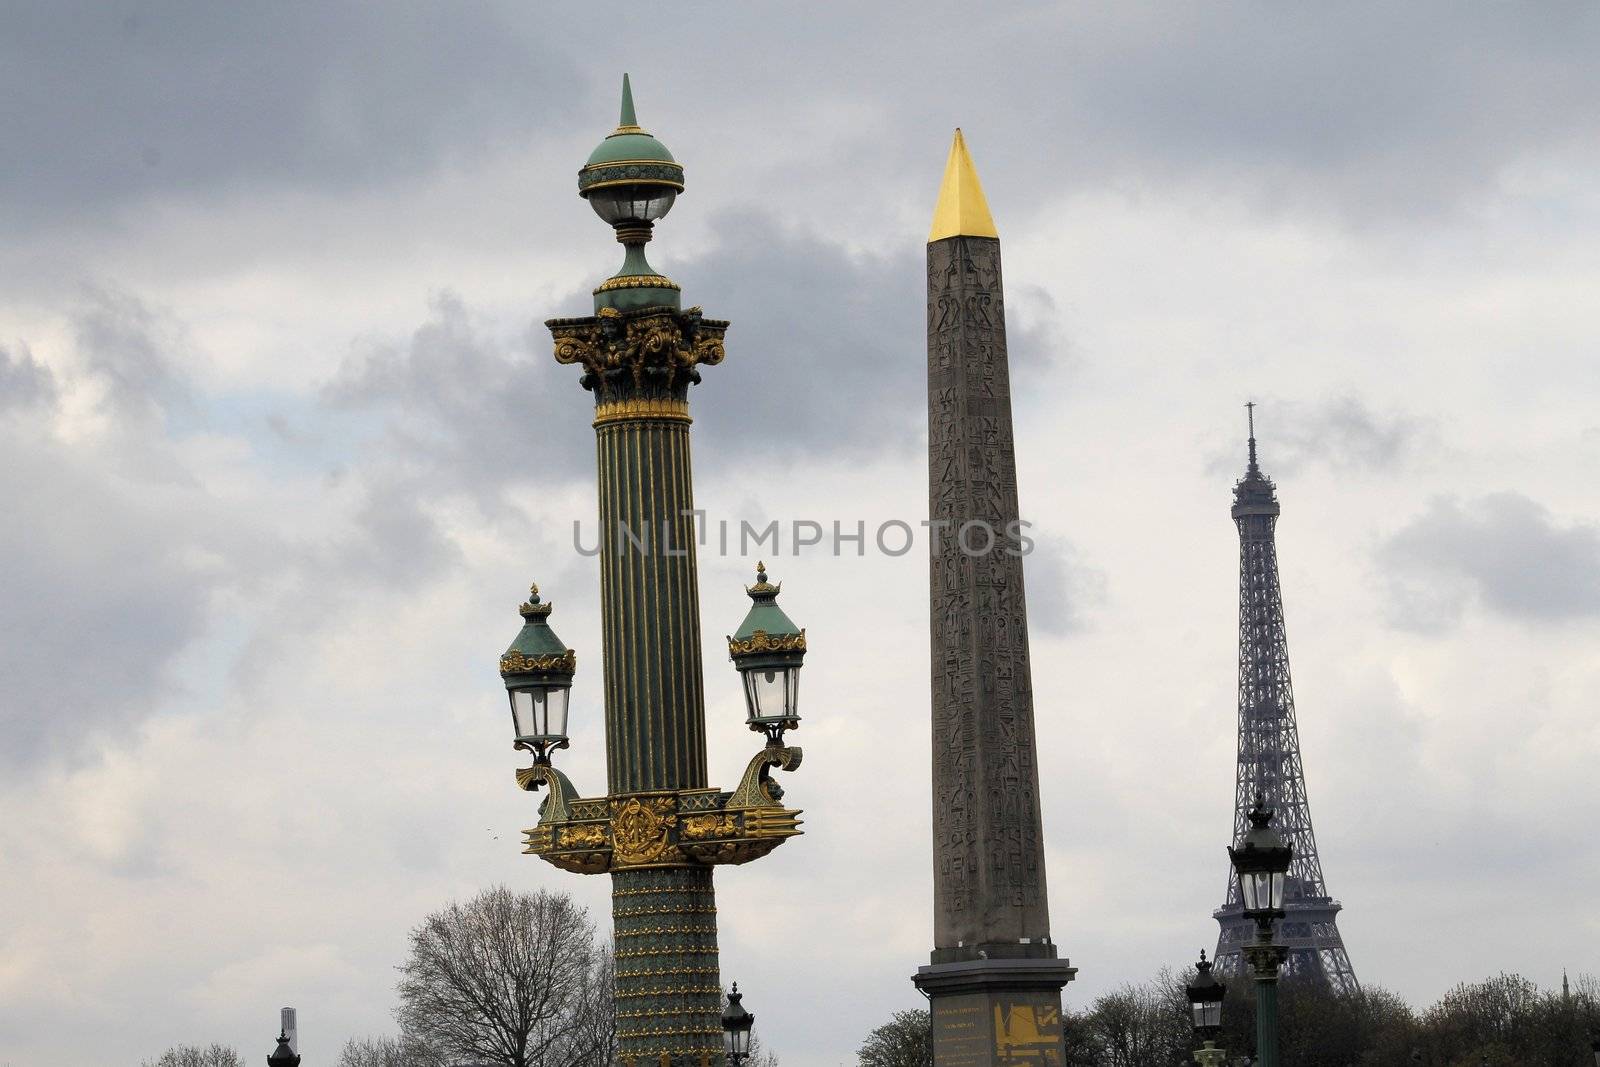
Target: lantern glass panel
632	203
1207	1014
764	690
540	711
738	1042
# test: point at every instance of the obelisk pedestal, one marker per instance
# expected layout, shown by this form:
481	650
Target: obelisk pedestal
994	980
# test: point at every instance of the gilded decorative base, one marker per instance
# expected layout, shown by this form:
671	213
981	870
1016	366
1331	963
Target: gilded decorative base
682	828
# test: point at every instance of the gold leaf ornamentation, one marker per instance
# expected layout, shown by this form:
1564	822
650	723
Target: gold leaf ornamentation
699	827
640	832
588	835
761	641
518	662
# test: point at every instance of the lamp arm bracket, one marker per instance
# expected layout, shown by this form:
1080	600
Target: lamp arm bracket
756	789
555	806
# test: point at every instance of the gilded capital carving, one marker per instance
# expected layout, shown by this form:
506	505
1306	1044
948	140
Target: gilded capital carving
653	352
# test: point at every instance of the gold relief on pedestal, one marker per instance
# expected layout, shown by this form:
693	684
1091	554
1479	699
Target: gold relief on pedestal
699	827
641	830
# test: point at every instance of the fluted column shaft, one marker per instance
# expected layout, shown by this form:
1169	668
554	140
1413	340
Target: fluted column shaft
650	602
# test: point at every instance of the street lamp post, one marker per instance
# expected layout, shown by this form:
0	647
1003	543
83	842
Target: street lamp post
659	828
1205	1012
736	1024
1261	858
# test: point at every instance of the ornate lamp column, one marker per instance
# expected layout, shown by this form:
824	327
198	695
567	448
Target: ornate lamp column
659	829
1261	858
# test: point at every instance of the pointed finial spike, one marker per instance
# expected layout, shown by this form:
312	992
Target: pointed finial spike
962	210
628	117
1250	410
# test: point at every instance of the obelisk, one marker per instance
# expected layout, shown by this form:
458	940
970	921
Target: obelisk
994	980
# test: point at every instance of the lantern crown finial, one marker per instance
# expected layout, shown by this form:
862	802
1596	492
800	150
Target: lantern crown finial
627	122
537	648
763	590
533	606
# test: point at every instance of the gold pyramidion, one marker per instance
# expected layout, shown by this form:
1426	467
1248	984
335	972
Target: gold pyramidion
962	210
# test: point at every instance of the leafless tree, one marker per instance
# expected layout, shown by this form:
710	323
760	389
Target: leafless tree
512	980
388	1052
196	1056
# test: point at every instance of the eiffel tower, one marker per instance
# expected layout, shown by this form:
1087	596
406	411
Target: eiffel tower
1269	755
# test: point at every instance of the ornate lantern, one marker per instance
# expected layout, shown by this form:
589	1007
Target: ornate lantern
736	1024
1262	859
1205	1000
538	669
768	650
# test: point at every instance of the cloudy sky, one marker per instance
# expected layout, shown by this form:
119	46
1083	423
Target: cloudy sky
285	444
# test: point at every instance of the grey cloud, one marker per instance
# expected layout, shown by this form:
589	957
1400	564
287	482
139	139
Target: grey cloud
137	350
107	103
1384	112
467	410
1063	589
25	383
1504	551
103	588
1342	433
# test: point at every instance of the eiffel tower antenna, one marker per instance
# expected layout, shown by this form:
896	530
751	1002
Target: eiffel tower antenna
1269	754
1250	409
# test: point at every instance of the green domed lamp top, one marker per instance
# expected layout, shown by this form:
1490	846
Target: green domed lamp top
630	181
628	153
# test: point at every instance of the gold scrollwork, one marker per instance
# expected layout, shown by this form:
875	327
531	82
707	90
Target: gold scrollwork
515	662
761	641
589	835
698	827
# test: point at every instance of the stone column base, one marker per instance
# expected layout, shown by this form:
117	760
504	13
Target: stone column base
996	1013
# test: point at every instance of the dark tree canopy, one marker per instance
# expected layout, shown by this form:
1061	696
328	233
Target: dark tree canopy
510	979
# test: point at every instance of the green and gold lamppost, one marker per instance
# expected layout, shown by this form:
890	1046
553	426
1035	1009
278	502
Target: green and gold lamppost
660	828
1262	857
